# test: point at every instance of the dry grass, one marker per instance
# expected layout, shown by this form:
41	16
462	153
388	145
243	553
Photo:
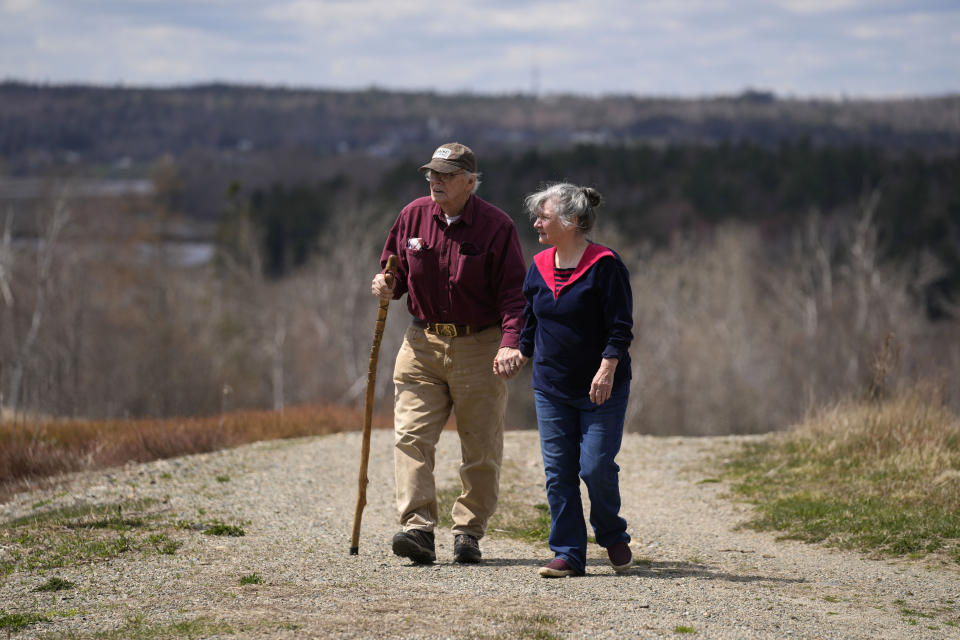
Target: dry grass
907	446
38	449
879	475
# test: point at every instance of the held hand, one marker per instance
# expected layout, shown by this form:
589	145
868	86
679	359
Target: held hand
380	288
508	362
602	383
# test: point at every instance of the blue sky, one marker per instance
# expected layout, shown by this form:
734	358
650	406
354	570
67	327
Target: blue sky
873	48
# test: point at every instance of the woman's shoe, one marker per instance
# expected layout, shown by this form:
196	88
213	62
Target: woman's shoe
620	556
558	568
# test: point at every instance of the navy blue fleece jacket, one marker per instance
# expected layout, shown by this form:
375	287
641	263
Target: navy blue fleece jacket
568	333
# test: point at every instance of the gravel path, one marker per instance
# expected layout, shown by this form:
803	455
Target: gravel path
295	499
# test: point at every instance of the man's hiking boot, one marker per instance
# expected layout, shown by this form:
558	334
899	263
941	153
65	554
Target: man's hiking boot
416	545
466	550
558	568
620	556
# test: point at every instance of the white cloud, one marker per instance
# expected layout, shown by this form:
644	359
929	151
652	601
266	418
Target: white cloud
685	46
820	6
909	30
355	15
871	32
17	6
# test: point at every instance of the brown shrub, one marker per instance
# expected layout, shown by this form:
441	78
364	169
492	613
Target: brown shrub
41	449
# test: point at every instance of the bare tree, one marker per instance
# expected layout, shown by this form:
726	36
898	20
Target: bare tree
276	353
805	291
865	272
6	261
46	247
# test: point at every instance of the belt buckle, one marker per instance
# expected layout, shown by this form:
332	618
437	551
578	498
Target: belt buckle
445	329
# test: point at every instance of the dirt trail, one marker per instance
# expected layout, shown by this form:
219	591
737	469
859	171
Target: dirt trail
697	573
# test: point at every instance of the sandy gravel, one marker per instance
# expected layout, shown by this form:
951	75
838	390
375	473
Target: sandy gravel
295	500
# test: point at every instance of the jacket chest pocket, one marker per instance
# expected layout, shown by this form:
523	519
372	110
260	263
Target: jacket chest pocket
422	262
471	268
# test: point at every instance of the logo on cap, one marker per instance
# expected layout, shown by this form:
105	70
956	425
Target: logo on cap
443	153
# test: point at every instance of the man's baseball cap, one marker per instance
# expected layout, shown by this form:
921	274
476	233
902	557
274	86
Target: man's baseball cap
450	158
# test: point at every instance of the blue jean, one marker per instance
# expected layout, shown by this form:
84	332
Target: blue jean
579	439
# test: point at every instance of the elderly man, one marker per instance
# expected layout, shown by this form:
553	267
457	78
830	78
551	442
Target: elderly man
462	270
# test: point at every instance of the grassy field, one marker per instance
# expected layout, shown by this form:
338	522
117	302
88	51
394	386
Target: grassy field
75	536
882	476
879	476
36	449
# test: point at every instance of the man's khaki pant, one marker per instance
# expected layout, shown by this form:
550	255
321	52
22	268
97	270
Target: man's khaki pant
432	375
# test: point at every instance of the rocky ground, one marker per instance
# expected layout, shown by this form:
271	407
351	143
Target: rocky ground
697	572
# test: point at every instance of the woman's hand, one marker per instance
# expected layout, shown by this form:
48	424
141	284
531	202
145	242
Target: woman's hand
602	383
508	362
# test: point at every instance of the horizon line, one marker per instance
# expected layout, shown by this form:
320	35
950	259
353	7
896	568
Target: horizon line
747	92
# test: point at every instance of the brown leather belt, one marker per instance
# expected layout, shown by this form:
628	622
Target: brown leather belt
450	330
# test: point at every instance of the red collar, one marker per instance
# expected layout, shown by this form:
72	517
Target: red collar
546	259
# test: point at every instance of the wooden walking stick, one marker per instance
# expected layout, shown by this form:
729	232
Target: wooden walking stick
388	273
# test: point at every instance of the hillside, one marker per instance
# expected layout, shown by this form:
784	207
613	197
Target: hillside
46	126
774	243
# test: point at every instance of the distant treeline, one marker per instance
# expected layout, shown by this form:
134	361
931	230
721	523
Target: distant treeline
654	194
48	126
783	253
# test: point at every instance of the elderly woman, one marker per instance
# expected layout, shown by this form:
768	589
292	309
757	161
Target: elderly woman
578	332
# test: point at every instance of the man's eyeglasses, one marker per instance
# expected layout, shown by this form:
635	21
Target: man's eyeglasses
440	177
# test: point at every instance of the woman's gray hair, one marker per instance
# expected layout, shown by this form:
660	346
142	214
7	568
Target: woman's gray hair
575	205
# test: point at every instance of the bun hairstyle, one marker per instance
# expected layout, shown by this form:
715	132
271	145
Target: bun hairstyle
592	195
574	204
586	219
